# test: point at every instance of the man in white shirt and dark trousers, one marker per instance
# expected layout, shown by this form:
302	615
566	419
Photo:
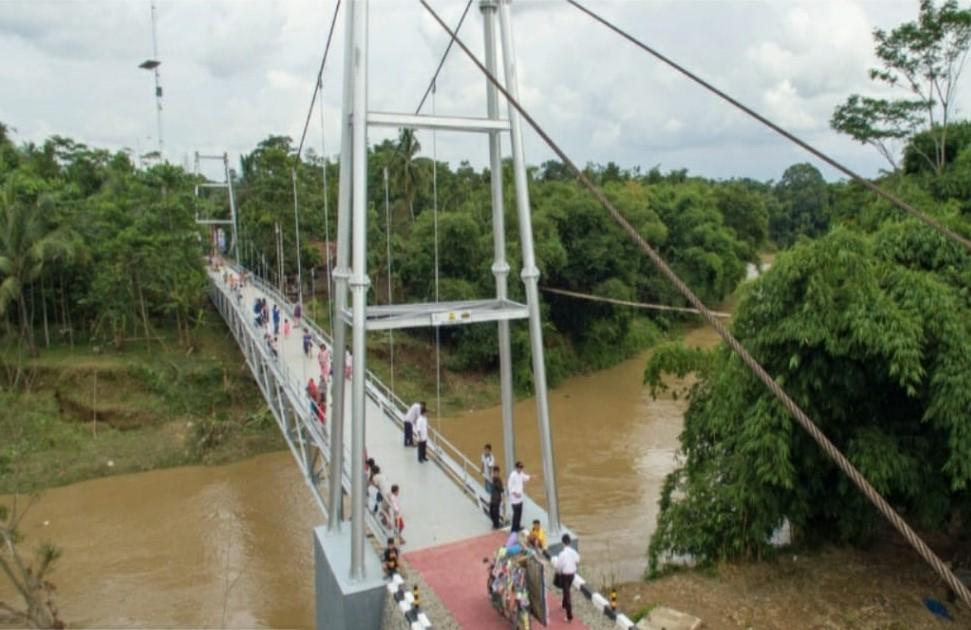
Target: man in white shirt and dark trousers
565	565
421	434
410	418
488	461
517	479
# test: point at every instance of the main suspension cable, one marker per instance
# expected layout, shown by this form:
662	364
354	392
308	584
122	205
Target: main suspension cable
895	200
644	305
441	63
319	79
323	166
790	405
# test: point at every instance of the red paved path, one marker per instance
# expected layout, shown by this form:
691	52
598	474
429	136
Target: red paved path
458	576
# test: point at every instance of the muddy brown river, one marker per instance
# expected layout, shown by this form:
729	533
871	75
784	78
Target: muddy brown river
614	446
230	545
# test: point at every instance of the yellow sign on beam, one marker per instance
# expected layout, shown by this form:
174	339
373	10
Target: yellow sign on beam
446	318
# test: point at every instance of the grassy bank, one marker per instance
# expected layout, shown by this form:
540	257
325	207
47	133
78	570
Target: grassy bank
881	587
92	410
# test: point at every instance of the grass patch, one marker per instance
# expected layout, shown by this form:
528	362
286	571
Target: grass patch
92	410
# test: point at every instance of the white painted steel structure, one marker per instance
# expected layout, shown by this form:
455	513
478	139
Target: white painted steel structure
352	257
444	500
231	197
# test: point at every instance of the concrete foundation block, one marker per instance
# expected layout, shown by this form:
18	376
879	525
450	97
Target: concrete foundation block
342	603
663	618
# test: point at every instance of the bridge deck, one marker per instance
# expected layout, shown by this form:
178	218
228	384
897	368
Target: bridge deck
445	526
434	509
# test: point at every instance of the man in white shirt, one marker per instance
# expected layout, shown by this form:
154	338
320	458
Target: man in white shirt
488	461
413	412
565	564
421	434
517	479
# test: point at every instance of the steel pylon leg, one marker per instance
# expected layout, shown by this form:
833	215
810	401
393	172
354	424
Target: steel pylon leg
500	268
341	274
359	282
530	273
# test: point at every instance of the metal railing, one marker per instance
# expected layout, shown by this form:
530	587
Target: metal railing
298	401
382	520
453	462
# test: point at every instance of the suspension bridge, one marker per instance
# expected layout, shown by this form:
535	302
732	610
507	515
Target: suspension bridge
444	499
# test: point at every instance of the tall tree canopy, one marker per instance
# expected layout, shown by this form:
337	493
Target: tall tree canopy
926	58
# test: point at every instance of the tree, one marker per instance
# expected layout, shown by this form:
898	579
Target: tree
29	578
926	58
803	208
871	336
406	176
744	209
27	244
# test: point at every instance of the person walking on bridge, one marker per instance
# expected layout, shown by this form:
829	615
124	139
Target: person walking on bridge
276	320
410	418
421	434
488	461
313	393
397	520
323	360
517	479
495	498
565	564
308	343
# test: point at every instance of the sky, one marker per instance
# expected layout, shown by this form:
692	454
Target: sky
236	71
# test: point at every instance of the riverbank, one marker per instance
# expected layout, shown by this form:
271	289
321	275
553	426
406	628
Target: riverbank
92	410
881	587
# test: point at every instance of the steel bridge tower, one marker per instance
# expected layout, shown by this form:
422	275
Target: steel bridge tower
350	273
233	246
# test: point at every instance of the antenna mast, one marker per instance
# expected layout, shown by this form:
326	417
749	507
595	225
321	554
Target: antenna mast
153	64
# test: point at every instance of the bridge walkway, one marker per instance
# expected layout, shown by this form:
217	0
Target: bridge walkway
443	500
436	511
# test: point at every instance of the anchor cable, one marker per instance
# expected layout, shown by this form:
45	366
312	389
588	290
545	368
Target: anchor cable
318	83
790	405
895	200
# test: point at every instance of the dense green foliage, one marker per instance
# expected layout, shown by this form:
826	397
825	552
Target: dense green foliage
708	230
93	246
802	207
111	251
868	328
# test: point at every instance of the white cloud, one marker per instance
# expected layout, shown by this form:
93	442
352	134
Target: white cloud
237	71
785	106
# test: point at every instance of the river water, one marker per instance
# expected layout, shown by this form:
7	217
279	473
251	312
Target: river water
229	545
614	445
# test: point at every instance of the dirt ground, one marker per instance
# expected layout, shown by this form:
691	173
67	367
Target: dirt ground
831	588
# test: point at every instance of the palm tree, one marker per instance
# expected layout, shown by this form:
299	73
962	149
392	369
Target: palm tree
27	242
407	175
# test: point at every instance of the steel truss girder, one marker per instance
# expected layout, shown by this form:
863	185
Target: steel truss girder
308	442
395	316
439	123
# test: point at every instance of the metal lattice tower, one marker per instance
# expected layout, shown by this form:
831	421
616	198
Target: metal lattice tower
351	272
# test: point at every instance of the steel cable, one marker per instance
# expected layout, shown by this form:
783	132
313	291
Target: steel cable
607	300
897	201
319	82
441	63
804	420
